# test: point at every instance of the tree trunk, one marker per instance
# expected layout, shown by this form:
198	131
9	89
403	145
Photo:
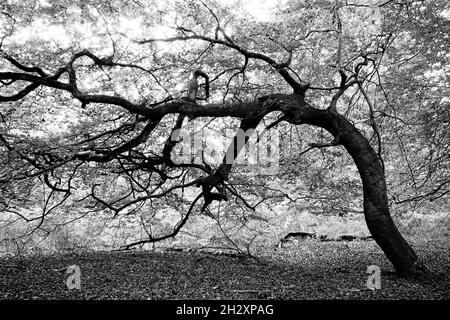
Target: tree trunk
376	209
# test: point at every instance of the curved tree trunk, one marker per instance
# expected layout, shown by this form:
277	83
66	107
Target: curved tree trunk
376	209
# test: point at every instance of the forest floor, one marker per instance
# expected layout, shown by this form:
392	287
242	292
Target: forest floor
306	269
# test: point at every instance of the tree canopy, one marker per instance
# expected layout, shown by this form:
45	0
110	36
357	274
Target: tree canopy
95	120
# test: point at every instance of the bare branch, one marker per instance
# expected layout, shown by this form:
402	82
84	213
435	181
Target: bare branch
296	86
373	123
175	231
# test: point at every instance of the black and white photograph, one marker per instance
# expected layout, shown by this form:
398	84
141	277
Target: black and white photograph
222	158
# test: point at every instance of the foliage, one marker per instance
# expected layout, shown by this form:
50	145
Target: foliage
46	181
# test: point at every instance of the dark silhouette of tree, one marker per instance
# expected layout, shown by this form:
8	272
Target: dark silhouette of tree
125	145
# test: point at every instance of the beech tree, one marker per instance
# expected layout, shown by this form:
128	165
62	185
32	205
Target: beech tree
118	70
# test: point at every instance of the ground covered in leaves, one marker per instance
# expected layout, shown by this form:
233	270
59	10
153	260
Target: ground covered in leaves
306	269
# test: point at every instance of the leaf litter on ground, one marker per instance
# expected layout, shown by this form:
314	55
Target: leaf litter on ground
303	270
